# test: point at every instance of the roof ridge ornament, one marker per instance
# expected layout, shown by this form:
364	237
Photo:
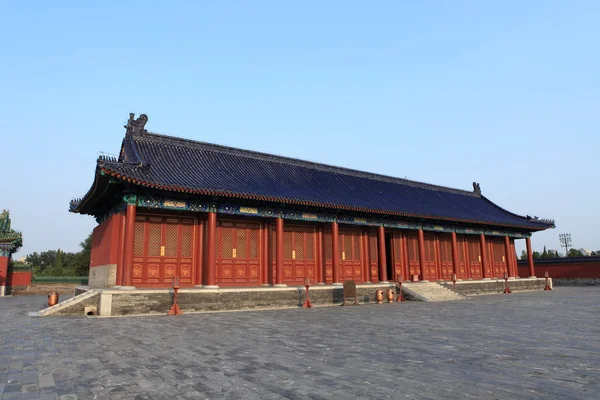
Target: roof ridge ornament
136	126
476	189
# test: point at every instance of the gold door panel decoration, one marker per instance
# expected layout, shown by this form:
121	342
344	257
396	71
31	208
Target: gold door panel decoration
238	253
299	243
163	248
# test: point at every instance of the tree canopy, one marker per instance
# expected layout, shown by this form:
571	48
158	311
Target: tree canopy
60	263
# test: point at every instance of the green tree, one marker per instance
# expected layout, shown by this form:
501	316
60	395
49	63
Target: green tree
545	253
41	261
523	255
575	253
81	261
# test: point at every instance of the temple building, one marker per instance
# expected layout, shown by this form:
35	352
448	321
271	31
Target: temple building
10	242
218	216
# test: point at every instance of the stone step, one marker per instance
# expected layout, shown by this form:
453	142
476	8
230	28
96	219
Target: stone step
68	302
431	291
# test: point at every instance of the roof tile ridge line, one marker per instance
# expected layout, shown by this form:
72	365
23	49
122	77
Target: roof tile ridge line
137	155
305	163
512	213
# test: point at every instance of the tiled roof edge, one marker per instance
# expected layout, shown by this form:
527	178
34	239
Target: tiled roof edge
525	219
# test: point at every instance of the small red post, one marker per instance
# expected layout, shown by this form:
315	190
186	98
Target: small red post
307	303
547	275
454	282
175	310
400	297
506	288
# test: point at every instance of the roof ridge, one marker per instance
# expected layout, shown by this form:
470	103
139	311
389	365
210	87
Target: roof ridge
177	141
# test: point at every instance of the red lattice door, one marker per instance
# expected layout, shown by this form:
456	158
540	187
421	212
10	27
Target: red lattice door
397	257
350	255
328	256
373	256
498	257
462	259
430	272
299	249
238	253
474	251
412	245
163	248
445	246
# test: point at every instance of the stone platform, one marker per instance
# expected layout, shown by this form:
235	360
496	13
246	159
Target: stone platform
118	302
114	302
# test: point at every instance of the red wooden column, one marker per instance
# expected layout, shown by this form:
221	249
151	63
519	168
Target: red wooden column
530	258
509	263
335	253
121	251
405	262
279	252
484	260
129	242
365	256
199	252
438	258
320	273
382	258
211	249
264	279
421	253
454	254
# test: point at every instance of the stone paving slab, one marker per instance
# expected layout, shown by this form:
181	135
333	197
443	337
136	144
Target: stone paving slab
522	346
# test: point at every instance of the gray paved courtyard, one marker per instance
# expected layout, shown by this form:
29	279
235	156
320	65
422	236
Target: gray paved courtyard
520	346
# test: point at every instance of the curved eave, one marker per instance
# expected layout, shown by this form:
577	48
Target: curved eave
543	225
208	192
98	187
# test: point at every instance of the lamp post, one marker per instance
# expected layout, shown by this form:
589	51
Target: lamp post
175	310
565	239
307	303
506	288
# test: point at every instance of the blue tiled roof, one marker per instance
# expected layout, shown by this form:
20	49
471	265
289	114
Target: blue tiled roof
175	164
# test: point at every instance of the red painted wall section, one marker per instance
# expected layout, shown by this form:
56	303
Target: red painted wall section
3	270
564	268
19	279
105	242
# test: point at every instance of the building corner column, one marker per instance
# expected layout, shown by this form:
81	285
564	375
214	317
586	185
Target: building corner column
211	250
335	253
484	260
530	258
422	254
382	255
279	252
130	213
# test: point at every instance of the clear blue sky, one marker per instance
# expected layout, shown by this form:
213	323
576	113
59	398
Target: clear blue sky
504	93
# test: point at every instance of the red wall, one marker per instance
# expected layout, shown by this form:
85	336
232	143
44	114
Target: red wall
19	279
105	241
3	269
582	267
